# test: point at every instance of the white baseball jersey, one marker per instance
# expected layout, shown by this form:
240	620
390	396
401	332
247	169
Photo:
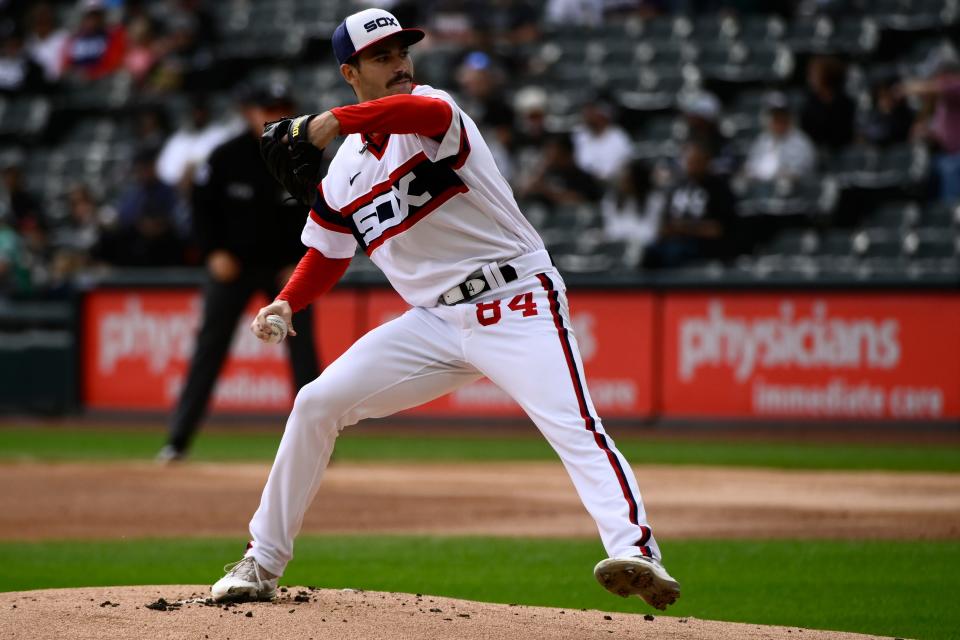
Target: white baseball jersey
427	213
430	214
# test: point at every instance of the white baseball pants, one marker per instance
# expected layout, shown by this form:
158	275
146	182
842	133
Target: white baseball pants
520	337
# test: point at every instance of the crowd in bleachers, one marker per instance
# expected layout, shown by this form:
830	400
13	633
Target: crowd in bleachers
796	136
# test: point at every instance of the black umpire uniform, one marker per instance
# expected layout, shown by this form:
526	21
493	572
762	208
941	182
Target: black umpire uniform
249	231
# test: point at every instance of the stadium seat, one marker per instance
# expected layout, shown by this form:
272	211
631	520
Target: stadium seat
940	214
895	215
915	15
869	167
823	34
933	243
878	243
785	197
792	242
739	62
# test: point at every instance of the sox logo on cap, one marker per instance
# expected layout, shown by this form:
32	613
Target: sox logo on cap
365	28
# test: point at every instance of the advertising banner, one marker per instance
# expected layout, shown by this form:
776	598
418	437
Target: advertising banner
615	335
137	347
811	356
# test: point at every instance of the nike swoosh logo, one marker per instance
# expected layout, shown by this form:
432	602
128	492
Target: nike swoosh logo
355	177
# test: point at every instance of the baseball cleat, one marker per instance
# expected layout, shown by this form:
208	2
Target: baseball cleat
245	581
638	576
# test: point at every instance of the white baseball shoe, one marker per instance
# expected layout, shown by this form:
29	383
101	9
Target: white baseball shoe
245	581
638	576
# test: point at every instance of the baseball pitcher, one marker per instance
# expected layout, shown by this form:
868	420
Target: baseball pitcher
415	187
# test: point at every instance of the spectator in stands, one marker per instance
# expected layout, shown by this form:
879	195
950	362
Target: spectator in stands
510	22
592	13
631	209
584	13
190	145
481	85
14	270
96	48
828	113
530	131
143	50
19	73
741	7
249	231
701	112
450	21
558	180
152	127
190	35
46	40
75	242
782	151
146	234
25	213
940	123
889	118
601	146
698	218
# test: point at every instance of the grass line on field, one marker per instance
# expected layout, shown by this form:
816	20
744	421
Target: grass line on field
20	443
866	587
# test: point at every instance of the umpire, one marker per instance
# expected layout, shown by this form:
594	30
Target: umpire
249	231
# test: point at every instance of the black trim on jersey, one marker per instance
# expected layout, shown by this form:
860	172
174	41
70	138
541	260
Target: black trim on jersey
461	156
326	217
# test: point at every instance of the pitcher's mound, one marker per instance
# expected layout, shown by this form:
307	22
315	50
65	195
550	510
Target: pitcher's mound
167	612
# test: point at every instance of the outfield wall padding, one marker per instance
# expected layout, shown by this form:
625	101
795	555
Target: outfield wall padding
798	355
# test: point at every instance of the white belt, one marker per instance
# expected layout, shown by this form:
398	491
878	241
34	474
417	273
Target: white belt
494	276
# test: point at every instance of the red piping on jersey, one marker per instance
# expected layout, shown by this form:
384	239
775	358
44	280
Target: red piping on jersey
416	217
370	140
383	187
314	276
402	113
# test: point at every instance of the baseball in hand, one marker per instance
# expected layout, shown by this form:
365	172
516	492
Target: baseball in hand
278	328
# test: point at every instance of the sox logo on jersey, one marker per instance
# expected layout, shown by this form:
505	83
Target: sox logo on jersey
413	190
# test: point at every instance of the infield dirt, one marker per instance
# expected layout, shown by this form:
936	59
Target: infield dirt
110	500
121	612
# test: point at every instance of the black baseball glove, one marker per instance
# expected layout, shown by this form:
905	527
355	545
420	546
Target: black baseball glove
291	159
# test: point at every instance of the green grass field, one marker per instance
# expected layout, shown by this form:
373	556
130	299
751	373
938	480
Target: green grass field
902	590
898	589
106	444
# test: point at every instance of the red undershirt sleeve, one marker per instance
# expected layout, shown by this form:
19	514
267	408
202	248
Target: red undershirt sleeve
403	113
314	276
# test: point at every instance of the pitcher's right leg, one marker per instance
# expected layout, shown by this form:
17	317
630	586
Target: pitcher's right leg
401	364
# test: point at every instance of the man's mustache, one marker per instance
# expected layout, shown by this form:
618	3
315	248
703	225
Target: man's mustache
401	78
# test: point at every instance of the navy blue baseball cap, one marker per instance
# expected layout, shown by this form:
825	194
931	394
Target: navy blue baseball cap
366	28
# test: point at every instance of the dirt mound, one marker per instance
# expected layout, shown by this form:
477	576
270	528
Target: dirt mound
308	613
138	499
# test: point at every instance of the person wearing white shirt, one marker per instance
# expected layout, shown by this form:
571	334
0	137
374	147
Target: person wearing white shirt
45	41
782	151
601	148
190	145
631	210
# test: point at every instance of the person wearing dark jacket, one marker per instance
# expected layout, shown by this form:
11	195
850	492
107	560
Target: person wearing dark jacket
249	231
699	217
828	113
